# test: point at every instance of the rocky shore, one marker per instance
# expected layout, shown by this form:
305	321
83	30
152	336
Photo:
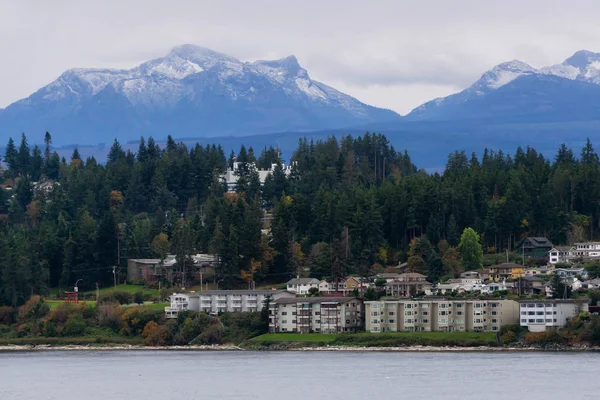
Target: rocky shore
228	347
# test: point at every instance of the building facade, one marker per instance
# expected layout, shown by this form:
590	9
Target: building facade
577	252
220	301
502	272
408	284
316	314
439	314
542	315
302	285
535	247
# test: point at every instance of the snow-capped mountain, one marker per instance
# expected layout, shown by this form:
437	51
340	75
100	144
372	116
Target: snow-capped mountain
191	92
583	66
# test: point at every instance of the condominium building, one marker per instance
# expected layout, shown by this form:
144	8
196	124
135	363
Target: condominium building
577	252
541	315
316	314
440	314
219	301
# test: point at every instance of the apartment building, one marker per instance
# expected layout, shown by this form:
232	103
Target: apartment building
541	315
218	301
316	314
440	314
577	252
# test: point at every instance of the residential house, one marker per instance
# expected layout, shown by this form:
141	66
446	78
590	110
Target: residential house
445	288
505	271
576	253
483	274
302	285
388	276
559	254
231	176
535	247
470	274
149	269
440	314
571	272
408	284
528	285
539	271
542	315
592	284
316	314
179	302
219	301
345	286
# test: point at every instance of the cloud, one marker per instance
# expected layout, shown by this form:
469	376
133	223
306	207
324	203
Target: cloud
392	53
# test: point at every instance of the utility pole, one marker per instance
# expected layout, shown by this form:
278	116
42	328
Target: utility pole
115	275
200	280
97	291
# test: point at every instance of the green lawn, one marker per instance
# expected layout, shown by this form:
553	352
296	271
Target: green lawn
154	306
385	339
55	303
125	288
295	337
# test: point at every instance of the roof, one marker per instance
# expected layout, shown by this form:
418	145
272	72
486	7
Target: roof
537	241
411	275
387	275
563	249
234	292
558	301
313	300
507	266
531	279
303	281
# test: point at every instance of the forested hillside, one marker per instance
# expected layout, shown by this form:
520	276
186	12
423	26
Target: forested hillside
349	206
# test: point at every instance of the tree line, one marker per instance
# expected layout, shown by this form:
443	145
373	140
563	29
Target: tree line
348	205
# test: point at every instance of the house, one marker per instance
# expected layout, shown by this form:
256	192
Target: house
231	176
559	254
571	272
483	274
149	269
388	276
506	271
218	301
408	284
316	314
542	315
440	314
444	288
592	284
302	285
345	286
530	285
539	271
535	247
576	253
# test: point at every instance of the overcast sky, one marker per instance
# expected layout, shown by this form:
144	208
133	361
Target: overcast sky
395	54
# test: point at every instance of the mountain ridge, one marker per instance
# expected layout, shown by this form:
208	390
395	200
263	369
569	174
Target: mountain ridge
194	91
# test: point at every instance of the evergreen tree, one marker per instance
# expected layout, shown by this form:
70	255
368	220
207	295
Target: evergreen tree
471	253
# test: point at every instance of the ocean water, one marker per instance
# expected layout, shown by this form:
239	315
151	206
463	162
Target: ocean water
162	375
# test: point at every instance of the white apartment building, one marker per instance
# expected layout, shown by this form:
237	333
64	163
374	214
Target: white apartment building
541	315
219	301
230	177
316	314
439	314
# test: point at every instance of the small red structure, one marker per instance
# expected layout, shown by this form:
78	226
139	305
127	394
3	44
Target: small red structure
71	297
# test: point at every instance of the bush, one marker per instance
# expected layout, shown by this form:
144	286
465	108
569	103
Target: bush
155	335
7	315
545	338
138	298
34	308
119	296
74	327
109	315
49	329
135	319
591	331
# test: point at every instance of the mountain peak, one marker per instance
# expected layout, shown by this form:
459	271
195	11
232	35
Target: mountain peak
191	52
282	68
582	59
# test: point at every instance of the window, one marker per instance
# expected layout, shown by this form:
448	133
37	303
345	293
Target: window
539	321
294	321
531	313
408	313
317	313
425	321
409	321
548	312
523	320
459	313
284	313
459	305
409	306
284	322
523	312
539	313
539	305
442	312
318	321
531	321
494	313
494	321
548	319
425	313
554	320
391	321
374	313
391	313
293	312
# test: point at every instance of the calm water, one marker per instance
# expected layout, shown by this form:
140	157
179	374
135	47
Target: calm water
295	376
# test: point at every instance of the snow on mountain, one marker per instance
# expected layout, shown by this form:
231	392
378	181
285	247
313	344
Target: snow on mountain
582	66
193	90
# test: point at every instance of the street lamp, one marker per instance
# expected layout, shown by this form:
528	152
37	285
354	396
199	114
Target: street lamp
218	283
76	287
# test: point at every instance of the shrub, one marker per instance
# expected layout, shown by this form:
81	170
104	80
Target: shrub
119	296
138	298
74	327
34	308
49	329
109	315
545	338
7	315
135	319
155	335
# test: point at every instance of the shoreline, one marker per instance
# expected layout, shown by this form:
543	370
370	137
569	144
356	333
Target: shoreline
406	349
